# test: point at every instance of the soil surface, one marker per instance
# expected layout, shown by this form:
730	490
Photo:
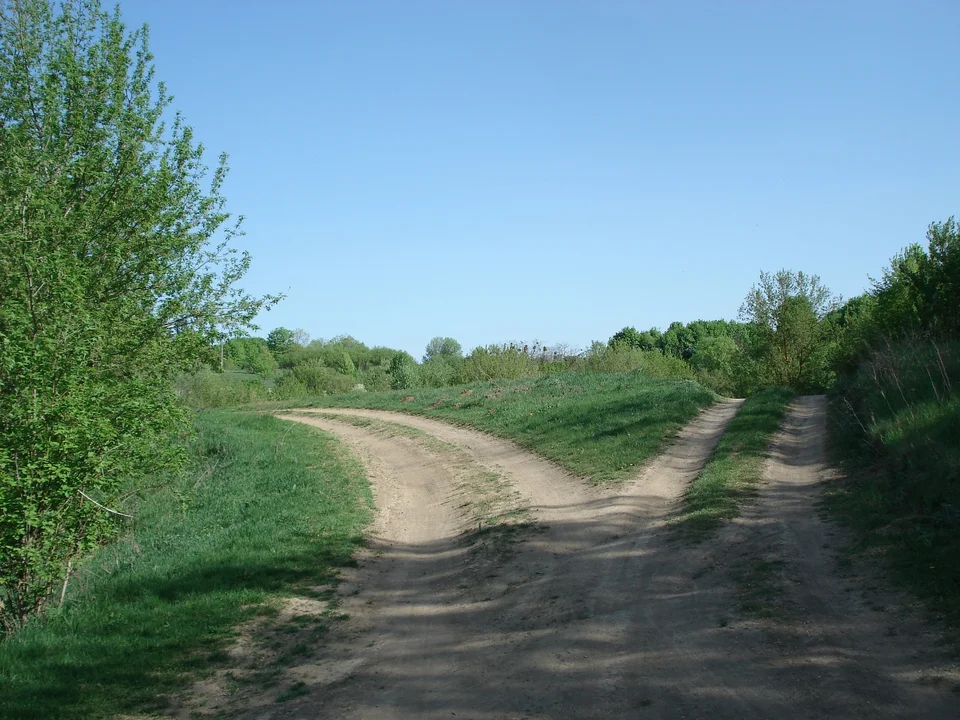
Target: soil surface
580	602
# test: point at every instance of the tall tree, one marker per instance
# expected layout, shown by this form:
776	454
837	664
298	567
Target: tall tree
116	271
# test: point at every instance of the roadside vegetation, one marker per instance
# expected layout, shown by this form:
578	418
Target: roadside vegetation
267	510
733	473
600	425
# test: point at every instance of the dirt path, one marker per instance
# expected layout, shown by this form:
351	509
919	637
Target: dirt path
833	645
599	613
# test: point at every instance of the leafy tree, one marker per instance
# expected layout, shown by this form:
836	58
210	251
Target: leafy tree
627	337
280	340
678	341
116	272
786	310
715	355
443	348
260	361
794	342
764	300
920	292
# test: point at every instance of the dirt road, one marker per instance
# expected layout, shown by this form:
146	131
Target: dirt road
596	611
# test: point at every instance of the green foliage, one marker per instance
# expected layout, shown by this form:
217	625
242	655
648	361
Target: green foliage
620	357
403	372
766	298
507	361
787	311
281	340
630	337
375	379
444	348
116	273
319	379
715	354
208	389
920	292
599	425
266	510
734	470
677	341
439	372
850	332
343	363
252	355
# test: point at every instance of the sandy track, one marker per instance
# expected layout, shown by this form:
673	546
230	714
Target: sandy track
599	614
841	651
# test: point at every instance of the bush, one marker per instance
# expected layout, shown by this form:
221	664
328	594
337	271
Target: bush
403	372
321	380
116	274
496	362
621	358
439	372
208	389
375	379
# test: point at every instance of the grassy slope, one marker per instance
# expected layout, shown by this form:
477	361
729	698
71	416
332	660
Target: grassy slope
735	469
598	425
895	427
269	508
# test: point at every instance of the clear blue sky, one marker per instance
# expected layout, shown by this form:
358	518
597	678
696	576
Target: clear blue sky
505	171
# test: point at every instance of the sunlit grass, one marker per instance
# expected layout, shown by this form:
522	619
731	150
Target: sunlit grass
600	425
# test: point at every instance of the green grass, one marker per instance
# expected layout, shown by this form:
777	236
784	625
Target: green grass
270	509
599	425
733	472
895	431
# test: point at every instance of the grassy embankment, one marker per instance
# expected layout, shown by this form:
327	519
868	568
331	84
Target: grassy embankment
599	425
734	471
269	510
896	431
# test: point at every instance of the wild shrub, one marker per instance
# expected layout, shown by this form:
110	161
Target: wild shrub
494	362
439	372
404	374
321	380
209	389
620	358
375	379
116	274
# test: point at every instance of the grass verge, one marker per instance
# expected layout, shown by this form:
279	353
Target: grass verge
895	432
269	510
734	471
600	425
